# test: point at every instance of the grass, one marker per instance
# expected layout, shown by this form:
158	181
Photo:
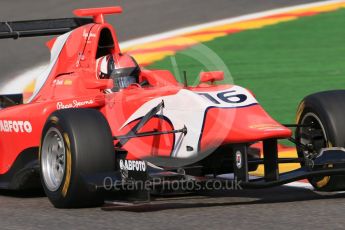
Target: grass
281	63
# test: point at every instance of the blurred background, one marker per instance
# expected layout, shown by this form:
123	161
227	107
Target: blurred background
140	18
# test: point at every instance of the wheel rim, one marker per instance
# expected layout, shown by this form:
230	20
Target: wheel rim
53	159
314	134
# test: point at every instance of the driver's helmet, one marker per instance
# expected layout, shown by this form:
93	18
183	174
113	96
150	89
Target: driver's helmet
123	69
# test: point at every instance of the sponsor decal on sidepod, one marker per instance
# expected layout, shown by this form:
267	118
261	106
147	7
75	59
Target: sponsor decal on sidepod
9	126
73	104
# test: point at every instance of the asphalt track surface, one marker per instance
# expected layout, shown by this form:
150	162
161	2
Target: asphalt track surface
282	207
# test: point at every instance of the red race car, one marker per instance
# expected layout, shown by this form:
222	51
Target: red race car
96	117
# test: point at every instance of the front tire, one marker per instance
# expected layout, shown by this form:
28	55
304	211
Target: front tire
75	143
324	114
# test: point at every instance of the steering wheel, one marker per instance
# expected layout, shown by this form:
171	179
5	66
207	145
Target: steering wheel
144	83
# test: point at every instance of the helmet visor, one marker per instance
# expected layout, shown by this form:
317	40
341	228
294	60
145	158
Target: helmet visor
124	77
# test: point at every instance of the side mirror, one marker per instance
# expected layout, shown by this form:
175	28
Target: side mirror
211	76
98	84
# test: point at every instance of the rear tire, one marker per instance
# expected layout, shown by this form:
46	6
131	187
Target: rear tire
75	143
325	112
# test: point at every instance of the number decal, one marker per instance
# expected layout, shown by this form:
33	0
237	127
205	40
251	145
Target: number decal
226	97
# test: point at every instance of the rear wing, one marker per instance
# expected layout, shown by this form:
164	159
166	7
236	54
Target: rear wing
44	27
49	27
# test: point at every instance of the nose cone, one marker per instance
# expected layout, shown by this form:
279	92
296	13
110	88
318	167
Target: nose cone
214	116
240	125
